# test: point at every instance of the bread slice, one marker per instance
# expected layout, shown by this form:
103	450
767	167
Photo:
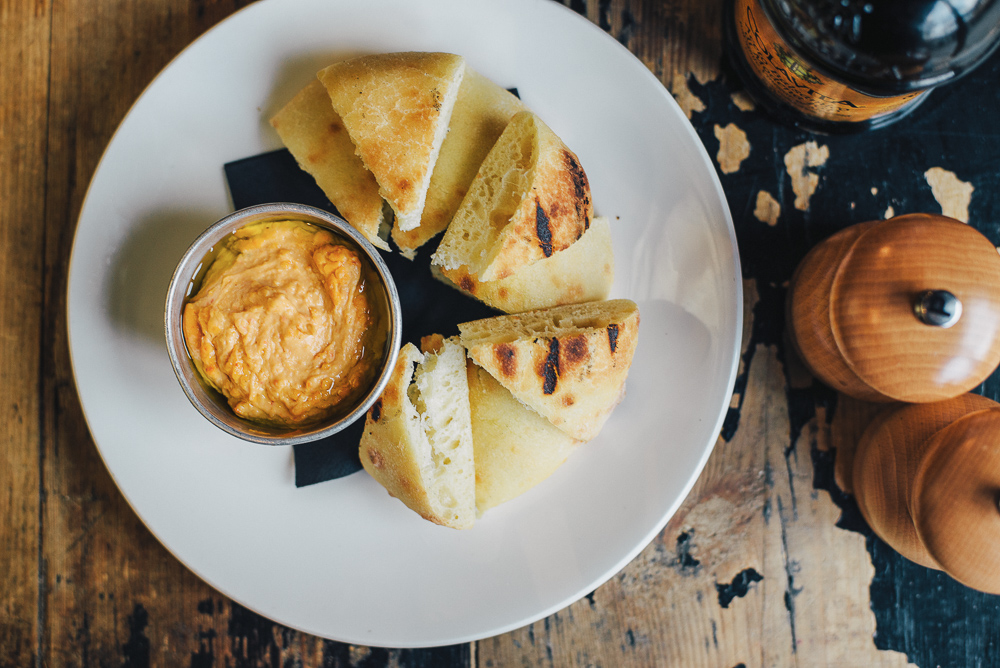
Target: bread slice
482	111
515	447
568	363
417	441
529	199
315	136
583	272
396	107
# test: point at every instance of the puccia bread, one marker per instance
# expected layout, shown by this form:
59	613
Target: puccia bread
396	108
481	113
529	200
515	447
417	441
583	272
315	135
568	363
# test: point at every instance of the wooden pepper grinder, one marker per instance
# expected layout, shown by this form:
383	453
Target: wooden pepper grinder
904	309
927	479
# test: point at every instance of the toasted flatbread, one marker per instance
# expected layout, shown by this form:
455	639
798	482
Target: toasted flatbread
529	199
396	108
315	136
515	447
481	113
568	363
417	441
583	272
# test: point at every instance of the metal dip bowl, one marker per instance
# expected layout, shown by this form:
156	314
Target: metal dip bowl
381	292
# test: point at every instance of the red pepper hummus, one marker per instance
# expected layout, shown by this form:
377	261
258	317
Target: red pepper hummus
280	323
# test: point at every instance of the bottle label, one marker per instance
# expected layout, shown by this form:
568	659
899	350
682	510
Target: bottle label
790	79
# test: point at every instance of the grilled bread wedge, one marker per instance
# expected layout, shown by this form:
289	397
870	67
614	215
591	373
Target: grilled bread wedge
568	363
396	108
315	136
417	441
583	272
481	113
529	200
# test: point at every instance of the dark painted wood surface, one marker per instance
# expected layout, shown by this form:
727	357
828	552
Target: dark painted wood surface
767	562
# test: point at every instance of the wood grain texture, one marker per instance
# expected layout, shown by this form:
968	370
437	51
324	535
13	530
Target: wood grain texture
754	569
851	317
671	38
849	423
808	315
915	608
25	65
871	308
954	499
111	594
886	461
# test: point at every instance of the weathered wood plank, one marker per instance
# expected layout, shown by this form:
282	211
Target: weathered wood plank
682	37
113	595
753	569
25	65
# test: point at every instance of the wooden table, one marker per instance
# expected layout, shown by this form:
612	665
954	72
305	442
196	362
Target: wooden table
768	562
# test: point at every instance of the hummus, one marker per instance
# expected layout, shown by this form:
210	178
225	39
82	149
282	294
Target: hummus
281	323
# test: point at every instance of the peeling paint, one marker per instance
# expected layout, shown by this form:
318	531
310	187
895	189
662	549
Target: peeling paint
686	564
953	194
738	588
798	162
768	209
733	147
137	649
743	101
688	101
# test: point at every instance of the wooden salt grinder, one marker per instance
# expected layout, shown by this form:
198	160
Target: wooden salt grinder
904	309
927	479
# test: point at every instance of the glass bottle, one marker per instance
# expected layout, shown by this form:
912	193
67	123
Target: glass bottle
853	65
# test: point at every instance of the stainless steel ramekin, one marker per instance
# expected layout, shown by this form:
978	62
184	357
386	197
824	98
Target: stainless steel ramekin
210	403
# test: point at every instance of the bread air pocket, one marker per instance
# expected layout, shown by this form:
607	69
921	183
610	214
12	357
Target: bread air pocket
529	200
567	363
417	441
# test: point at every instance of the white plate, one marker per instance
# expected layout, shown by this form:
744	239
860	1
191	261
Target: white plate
342	559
